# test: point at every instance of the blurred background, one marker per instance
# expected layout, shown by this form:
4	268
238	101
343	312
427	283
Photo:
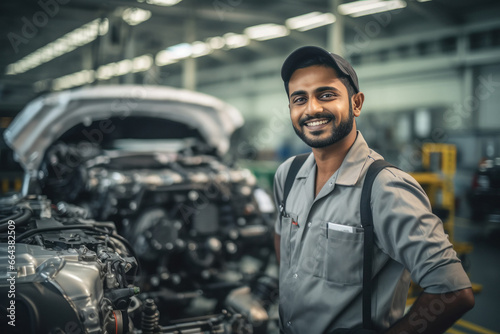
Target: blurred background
430	71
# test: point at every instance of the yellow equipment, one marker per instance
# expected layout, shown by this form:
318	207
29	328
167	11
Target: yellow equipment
440	190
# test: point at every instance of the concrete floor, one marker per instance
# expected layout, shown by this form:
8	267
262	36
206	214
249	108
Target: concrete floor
484	268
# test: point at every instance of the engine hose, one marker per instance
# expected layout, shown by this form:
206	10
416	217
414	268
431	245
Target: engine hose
25	217
20	218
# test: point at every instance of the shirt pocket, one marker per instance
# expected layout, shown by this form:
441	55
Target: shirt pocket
289	227
339	256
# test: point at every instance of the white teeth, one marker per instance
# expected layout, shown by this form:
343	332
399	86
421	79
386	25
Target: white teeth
316	123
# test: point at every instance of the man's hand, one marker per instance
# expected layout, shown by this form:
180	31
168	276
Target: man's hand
434	313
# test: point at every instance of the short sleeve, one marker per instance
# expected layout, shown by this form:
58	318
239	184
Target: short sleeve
408	231
278	186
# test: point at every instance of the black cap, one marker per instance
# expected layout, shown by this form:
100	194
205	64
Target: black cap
303	53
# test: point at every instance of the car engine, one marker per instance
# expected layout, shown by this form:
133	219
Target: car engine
199	229
132	219
65	272
70	274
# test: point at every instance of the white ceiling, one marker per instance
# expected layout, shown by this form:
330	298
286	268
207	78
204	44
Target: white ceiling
169	26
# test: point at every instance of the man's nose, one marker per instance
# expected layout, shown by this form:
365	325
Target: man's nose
313	106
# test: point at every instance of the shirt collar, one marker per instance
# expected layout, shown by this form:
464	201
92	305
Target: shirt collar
350	169
354	162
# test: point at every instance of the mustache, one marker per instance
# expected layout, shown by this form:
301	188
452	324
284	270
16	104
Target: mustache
323	115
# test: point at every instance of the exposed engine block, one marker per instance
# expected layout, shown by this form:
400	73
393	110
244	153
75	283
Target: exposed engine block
199	229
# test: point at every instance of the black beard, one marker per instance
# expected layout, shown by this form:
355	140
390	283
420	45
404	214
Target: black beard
338	132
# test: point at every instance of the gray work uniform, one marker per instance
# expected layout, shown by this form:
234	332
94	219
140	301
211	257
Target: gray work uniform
321	264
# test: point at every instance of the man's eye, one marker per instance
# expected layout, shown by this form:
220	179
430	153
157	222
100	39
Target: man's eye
327	95
299	100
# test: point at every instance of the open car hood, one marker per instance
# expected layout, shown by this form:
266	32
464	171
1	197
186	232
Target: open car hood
47	118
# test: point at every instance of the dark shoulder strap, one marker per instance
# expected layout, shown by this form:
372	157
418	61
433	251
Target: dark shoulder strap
297	162
371	174
367	222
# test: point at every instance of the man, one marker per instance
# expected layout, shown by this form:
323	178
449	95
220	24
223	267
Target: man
320	263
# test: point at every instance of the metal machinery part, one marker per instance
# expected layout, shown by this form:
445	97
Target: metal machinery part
75	275
151	163
191	220
69	273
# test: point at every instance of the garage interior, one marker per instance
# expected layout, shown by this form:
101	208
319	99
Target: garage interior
429	69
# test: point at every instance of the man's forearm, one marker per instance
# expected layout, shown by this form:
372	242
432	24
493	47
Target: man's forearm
434	313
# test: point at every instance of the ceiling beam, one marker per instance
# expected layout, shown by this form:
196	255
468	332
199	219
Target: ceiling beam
437	14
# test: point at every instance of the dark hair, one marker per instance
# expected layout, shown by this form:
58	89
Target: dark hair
323	61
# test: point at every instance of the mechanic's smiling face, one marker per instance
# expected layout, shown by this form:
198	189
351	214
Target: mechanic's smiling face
320	108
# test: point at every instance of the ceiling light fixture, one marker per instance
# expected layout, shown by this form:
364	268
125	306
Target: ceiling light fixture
165	57
231	40
104	72
263	32
73	80
367	7
161	2
234	41
216	42
134	16
310	21
142	63
199	49
67	43
180	51
123	67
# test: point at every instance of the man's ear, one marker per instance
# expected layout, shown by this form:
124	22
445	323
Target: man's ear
357	103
